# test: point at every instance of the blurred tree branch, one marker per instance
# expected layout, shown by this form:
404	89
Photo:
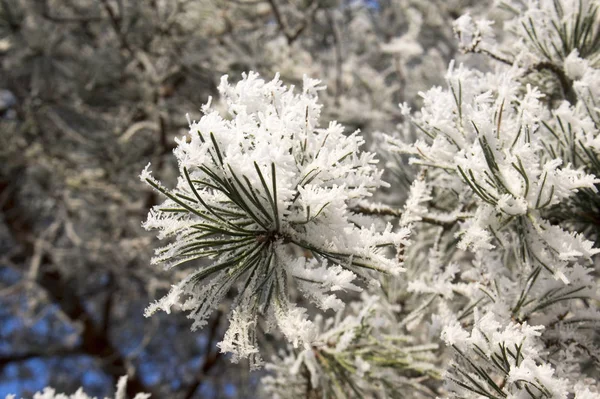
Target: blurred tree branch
211	358
95	340
47	353
292	34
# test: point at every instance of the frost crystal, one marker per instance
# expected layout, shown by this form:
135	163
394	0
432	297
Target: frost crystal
351	354
266	193
502	244
50	393
489	136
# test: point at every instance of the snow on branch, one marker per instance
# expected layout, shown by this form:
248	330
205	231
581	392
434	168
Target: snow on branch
265	193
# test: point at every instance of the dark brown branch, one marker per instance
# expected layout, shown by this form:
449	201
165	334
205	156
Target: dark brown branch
377	211
115	21
108	305
290	35
279	18
566	84
304	24
497	57
210	358
21	357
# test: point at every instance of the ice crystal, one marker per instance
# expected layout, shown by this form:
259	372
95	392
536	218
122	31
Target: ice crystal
266	194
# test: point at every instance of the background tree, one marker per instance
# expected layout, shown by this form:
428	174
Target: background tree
93	90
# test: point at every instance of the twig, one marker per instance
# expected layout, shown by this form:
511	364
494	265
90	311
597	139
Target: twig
384	210
136	127
338	55
108	304
291	36
210	359
566	84
115	21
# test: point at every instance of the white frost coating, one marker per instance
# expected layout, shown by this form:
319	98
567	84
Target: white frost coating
497	154
491	341
504	250
473	33
415	207
256	186
50	393
362	339
238	339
